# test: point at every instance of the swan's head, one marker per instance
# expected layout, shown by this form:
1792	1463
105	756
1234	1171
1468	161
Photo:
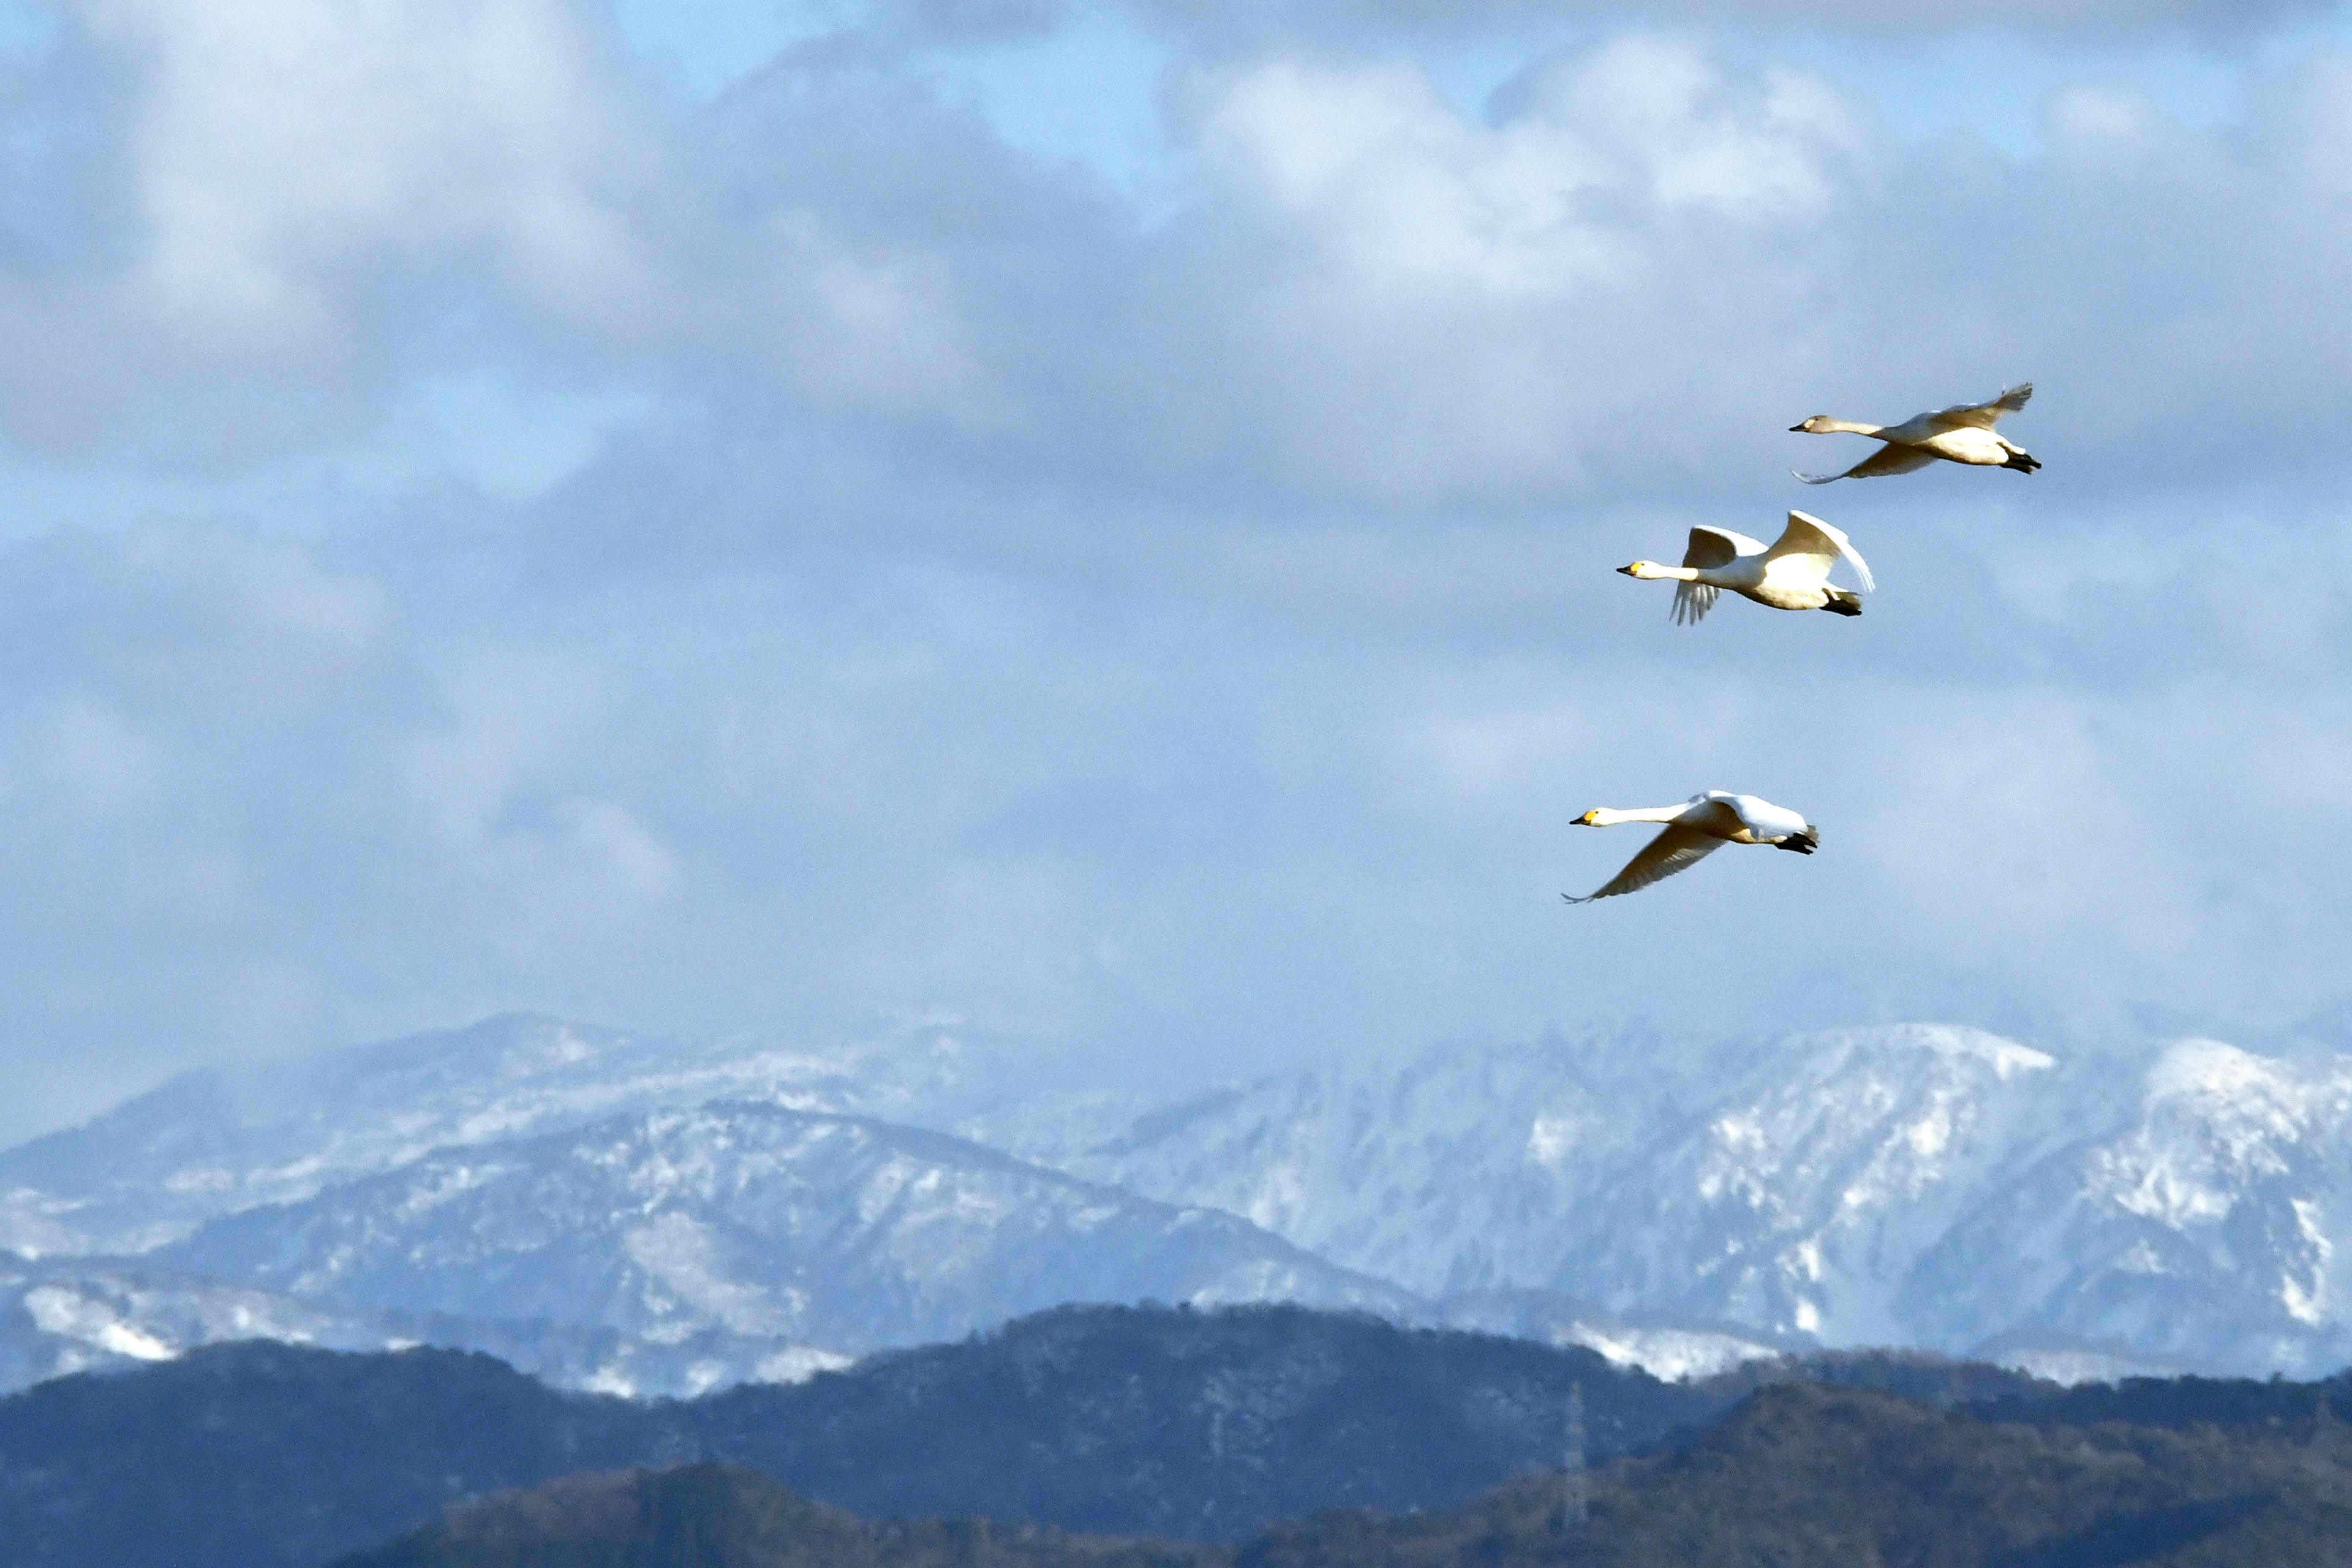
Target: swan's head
1641	569
1818	425
1589	819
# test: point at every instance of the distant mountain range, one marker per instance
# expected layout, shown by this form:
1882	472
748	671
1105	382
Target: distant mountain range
634	1213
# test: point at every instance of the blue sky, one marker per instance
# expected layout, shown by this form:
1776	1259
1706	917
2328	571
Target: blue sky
1098	521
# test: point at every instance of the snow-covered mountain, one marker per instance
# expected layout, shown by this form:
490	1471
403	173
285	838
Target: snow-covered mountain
1786	1185
754	1221
2216	1223
209	1144
627	1211
1927	1186
61	1315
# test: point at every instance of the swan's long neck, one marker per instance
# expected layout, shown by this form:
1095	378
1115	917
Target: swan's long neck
1603	816
1649	571
1847	427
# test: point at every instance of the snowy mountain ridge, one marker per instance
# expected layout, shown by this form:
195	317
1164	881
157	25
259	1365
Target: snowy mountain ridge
672	1214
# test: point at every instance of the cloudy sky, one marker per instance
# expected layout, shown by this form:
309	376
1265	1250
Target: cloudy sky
1099	520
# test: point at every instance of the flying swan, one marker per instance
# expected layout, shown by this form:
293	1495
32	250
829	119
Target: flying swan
1958	435
1693	831
1792	573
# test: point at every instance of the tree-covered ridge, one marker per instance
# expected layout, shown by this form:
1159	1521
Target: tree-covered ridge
1810	1477
723	1515
1125	1421
1798	1476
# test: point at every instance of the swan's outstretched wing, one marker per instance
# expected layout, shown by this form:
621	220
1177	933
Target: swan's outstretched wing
1708	547
1718	547
1693	601
1677	848
1888	459
1808	536
1983	414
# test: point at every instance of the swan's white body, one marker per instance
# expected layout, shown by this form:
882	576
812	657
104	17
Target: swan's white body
1792	574
1962	434
1695	830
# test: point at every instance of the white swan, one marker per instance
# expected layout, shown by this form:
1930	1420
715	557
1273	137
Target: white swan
1693	831
1958	435
1792	573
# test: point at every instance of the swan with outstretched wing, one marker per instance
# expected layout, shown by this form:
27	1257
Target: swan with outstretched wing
1960	434
1696	829
1790	574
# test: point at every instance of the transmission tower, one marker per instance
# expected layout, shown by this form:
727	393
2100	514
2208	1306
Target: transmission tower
1575	1494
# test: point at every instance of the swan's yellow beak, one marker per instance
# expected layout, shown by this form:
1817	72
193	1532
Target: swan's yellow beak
1588	819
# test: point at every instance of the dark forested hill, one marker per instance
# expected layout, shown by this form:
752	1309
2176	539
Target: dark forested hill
1142	1421
1822	1476
1138	1421
723	1515
268	1456
1800	1475
1203	1425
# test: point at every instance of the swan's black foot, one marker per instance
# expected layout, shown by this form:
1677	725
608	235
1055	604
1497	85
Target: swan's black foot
2023	462
1803	843
1843	604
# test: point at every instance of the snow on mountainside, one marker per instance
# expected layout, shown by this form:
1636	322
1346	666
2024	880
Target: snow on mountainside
1918	1184
67	1315
1803	1198
691	1212
1784	1186
1663	1347
2214	1225
210	1143
1464	1168
758	1221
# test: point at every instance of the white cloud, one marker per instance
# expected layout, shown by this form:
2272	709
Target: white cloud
280	184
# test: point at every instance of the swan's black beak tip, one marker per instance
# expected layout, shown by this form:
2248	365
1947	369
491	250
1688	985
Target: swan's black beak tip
1797	427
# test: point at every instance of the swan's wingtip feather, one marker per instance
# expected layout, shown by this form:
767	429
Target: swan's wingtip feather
1817	479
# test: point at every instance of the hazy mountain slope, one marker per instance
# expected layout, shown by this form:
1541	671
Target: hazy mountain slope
835	1231
63	1315
67	1315
210	1143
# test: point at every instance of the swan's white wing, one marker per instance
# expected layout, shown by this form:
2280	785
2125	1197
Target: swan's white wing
1692	602
1718	547
1763	820
1983	414
1888	459
1808	535
1677	848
